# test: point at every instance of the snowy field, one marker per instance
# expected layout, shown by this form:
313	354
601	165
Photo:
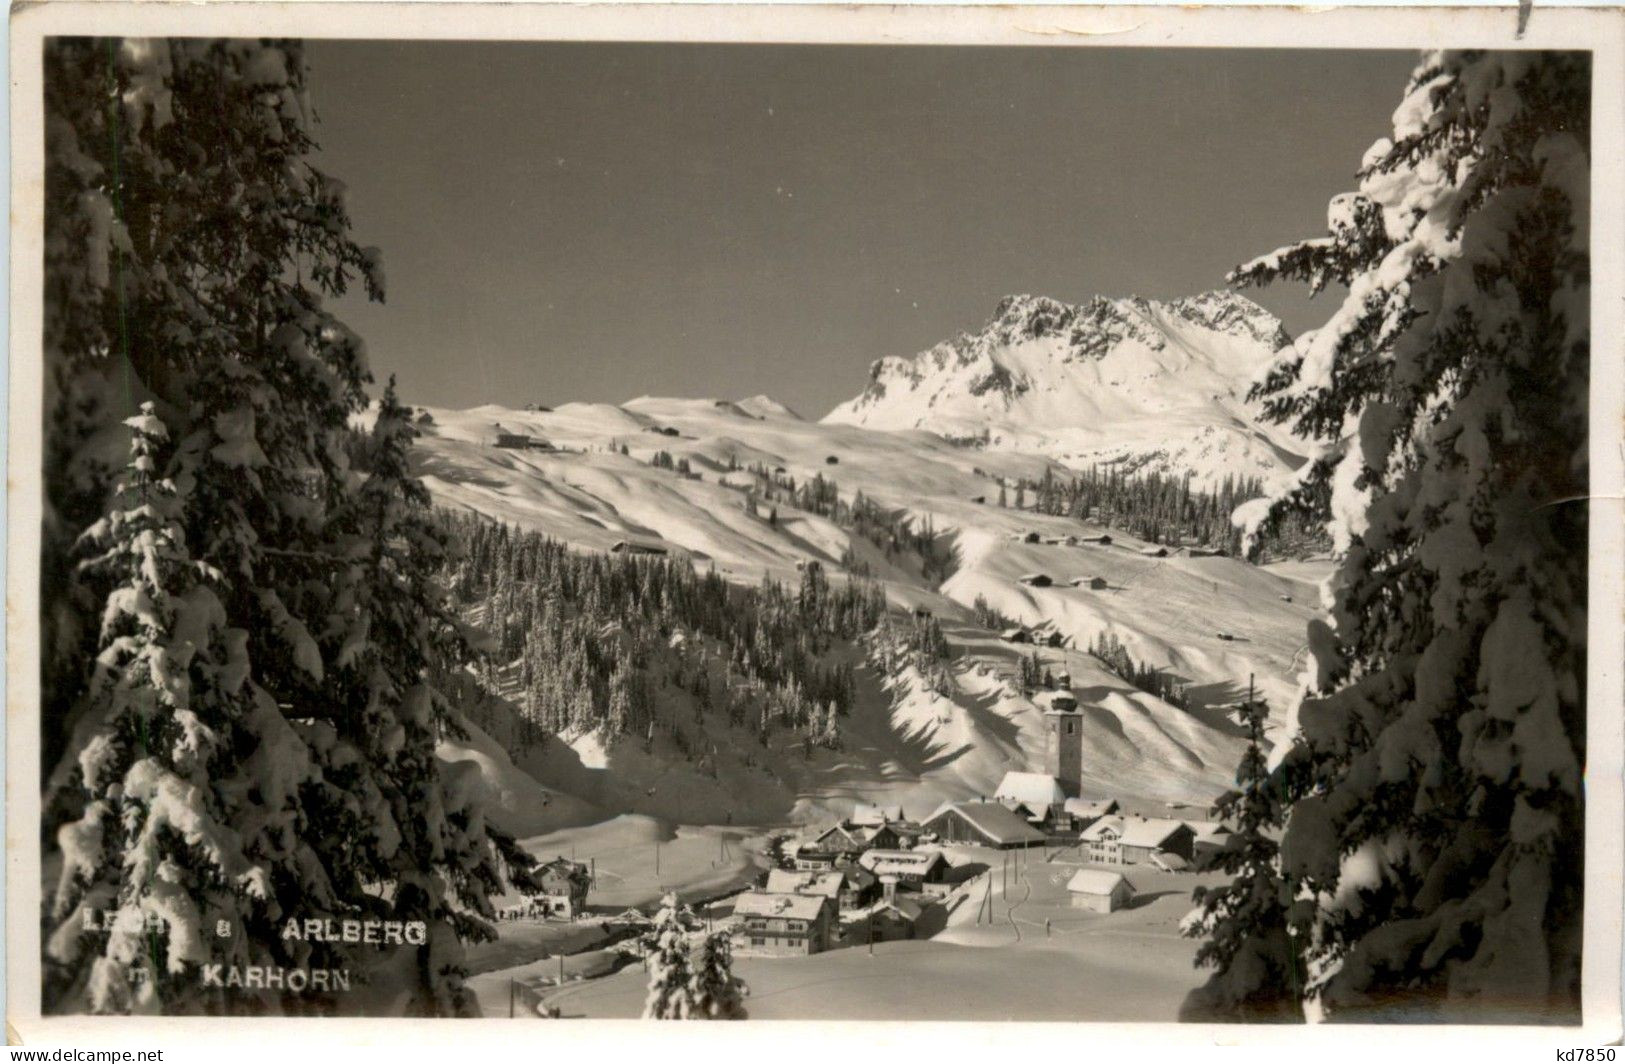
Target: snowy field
1129	965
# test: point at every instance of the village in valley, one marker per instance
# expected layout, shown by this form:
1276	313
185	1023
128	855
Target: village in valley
867	705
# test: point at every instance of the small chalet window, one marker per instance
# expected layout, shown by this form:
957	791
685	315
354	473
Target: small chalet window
757	941
1070	725
798	925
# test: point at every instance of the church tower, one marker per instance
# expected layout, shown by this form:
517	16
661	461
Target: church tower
1063	746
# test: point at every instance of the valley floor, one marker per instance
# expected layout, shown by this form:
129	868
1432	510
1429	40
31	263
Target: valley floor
1008	945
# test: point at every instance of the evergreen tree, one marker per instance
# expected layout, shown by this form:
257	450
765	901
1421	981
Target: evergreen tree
153	854
396	637
714	991
619	721
671	978
1245	923
288	759
1440	744
831	734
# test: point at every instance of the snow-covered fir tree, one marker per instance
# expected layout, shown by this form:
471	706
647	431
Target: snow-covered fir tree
289	769
1437	820
1245	924
671	977
153	860
716	992
392	637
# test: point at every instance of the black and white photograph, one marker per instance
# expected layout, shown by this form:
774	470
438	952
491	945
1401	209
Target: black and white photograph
1079	531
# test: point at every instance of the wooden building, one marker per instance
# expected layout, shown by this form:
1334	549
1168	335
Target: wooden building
1036	796
913	868
983	824
1132	840
835	845
1210	840
629	547
893	920
869	814
564	888
1081	812
859	887
783	925
518	441
1099	891
823	884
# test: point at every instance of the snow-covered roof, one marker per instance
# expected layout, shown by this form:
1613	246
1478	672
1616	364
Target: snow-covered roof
837	835
1099	828
1097	881
868	814
794	906
901	862
1094	807
903	907
564	867
1030	788
857	876
824	884
1153	831
1169	862
1208	829
998	823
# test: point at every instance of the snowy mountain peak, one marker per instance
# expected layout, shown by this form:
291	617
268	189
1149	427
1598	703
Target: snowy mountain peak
1227	311
1154	384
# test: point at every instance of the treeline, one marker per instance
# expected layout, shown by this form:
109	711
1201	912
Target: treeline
664	460
895	533
989	617
588	641
1160	508
1110	651
919	644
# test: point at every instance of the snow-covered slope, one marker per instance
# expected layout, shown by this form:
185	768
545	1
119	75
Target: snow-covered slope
904	743
1150	385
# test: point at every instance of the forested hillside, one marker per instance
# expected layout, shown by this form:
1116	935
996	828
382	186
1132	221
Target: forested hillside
1166	508
591	640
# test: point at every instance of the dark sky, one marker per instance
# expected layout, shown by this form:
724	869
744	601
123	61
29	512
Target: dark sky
589	221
